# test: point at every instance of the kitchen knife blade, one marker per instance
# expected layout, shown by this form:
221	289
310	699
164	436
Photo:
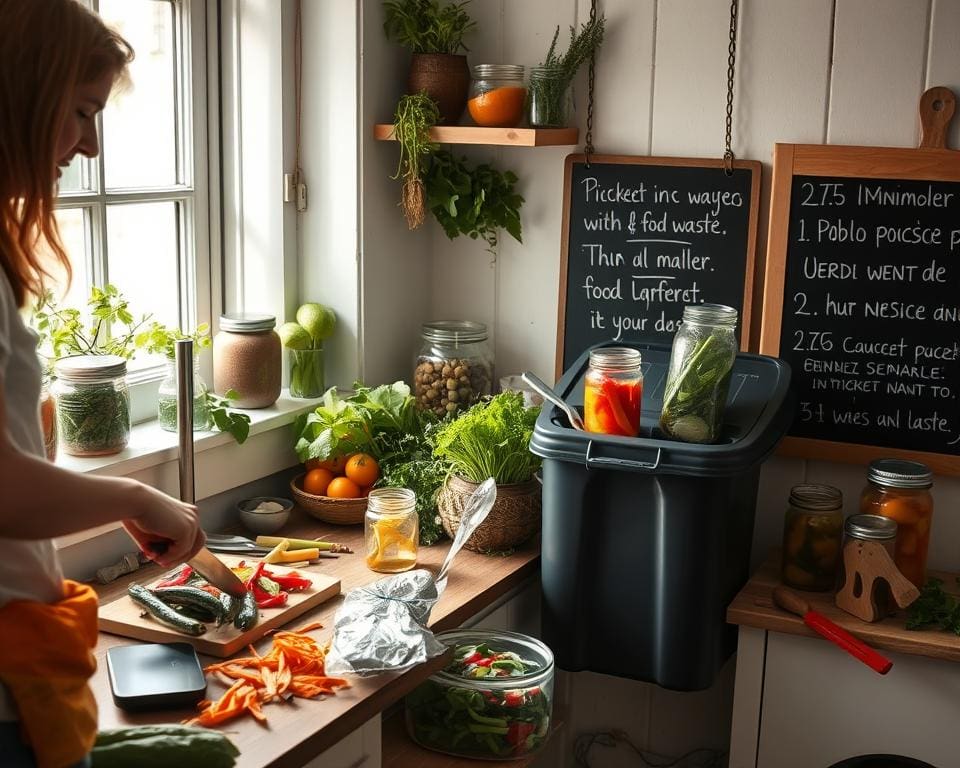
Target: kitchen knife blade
213	570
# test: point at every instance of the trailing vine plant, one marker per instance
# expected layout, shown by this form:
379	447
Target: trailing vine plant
416	114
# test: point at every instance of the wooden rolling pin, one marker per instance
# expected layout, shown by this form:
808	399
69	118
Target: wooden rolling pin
792	602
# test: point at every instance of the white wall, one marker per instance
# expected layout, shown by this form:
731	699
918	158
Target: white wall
814	71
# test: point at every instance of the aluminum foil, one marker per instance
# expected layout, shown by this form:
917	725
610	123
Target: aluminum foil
382	626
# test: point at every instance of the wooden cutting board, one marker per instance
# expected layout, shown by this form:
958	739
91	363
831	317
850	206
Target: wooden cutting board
123	615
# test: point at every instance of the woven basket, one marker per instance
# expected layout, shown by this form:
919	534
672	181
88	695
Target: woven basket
327	508
515	516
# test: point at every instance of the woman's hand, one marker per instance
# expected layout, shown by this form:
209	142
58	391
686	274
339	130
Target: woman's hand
156	517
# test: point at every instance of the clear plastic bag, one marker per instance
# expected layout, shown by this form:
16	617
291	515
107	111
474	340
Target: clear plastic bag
382	626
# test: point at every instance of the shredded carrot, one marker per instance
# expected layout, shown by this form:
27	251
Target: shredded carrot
294	666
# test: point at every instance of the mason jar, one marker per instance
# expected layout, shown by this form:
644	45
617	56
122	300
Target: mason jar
247	359
454	367
391	530
92	404
701	362
900	490
167	399
812	534
612	391
498	95
551	100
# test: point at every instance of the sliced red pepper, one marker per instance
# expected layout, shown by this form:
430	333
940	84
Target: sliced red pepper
513	699
270	601
473	658
255	576
292	581
485	662
180	577
517	733
611	392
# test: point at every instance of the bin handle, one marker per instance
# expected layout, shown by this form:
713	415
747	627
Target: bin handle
603	461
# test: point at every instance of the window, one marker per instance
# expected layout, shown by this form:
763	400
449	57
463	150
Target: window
138	215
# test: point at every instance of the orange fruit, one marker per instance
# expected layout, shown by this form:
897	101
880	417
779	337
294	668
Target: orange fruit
334	464
363	469
343	488
317	480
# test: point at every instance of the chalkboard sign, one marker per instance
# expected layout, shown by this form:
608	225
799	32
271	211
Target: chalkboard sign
645	236
862	298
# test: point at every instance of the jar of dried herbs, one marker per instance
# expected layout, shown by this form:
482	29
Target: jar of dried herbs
701	361
167	400
93	404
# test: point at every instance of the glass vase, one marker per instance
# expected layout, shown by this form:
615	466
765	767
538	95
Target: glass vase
306	372
551	98
167	400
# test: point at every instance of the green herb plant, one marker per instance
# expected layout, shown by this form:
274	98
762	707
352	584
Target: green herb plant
935	607
416	114
490	439
548	93
426	26
477	202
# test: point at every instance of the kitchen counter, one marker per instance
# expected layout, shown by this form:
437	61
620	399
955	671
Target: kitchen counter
299	730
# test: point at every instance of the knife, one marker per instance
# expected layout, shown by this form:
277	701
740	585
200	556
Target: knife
211	568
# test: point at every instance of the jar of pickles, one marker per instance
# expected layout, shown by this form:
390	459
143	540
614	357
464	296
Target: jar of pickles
612	391
812	534
391	530
900	490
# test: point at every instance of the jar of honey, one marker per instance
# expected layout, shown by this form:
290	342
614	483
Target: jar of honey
391	530
900	490
612	391
497	95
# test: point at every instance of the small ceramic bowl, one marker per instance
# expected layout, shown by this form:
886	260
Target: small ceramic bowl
264	522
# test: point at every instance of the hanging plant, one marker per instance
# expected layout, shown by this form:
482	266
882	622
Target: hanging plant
416	114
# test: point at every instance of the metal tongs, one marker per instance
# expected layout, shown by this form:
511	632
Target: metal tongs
540	386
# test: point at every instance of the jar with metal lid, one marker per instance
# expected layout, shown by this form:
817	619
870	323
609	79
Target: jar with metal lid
612	391
900	490
391	530
870	528
92	404
454	367
812	534
247	359
497	95
701	362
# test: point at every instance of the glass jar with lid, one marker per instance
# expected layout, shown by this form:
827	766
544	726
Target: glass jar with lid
900	490
612	391
247	359
877	528
551	99
454	367
92	404
701	361
497	95
391	530
167	399
812	535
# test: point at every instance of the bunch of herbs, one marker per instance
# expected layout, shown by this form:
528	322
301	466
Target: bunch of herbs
426	26
416	114
935	607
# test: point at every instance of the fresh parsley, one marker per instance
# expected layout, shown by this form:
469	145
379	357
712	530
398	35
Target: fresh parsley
934	607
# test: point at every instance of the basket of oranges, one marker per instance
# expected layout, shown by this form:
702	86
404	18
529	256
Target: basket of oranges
335	490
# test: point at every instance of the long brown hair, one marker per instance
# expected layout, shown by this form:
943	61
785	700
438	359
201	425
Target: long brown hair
47	49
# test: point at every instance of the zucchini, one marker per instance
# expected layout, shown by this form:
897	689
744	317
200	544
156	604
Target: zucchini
193	597
163	612
231	608
248	614
163	746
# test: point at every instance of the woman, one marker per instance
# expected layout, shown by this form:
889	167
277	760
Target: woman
58	63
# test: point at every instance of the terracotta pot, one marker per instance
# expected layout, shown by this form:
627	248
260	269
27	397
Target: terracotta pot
446	79
515	516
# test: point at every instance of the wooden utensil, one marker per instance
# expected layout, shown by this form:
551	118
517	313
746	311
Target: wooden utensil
866	564
790	601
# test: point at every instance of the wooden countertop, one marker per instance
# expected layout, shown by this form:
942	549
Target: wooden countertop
753	607
299	730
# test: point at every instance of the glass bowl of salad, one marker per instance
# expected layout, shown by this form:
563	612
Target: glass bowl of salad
493	701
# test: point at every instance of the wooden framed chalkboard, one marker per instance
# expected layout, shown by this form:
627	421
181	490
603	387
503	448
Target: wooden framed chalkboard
645	236
862	298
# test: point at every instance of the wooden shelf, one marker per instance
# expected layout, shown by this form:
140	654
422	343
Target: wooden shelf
472	134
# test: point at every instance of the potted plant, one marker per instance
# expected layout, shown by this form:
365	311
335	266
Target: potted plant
491	439
434	35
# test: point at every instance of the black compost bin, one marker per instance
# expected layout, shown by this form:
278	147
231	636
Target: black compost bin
647	540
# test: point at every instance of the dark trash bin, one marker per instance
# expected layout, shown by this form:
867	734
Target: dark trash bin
646	540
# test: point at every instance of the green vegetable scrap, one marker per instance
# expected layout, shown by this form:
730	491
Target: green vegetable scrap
160	746
935	607
490	439
694	399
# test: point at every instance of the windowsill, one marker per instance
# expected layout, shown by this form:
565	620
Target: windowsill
220	464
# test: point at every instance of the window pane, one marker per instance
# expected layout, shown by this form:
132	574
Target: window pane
139	123
76	176
73	233
142	258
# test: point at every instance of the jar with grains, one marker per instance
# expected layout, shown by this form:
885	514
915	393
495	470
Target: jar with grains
612	391
92	404
497	95
454	368
247	359
900	490
877	528
812	533
391	530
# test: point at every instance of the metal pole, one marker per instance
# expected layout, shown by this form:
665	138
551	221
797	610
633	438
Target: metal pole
184	358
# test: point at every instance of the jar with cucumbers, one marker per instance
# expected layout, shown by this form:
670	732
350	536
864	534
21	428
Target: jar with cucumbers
812	533
454	367
701	361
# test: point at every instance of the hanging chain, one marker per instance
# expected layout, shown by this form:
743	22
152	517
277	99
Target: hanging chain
588	141
731	68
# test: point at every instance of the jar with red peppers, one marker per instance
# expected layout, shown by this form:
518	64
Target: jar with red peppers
612	391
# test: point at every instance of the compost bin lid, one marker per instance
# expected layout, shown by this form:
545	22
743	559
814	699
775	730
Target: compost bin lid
758	413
